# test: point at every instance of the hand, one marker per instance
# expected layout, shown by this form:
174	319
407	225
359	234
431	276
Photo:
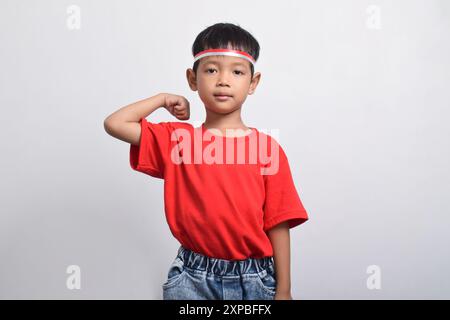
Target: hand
282	295
177	105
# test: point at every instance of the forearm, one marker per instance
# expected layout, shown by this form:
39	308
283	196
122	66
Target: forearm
137	110
280	239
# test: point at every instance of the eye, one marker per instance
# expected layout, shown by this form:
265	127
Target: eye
239	71
209	69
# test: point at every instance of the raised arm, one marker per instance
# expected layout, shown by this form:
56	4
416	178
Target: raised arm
124	125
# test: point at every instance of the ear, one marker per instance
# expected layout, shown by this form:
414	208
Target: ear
254	83
191	78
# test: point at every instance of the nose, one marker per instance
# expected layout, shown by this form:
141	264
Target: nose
222	81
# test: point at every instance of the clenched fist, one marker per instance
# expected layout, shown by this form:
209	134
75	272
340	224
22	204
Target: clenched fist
178	106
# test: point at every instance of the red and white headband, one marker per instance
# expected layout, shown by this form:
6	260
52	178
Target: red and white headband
224	52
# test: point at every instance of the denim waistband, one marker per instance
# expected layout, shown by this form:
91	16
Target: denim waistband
197	261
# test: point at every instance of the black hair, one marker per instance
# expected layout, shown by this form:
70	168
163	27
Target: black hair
223	35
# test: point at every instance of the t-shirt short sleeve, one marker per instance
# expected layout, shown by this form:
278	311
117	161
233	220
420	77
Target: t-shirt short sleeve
150	157
282	202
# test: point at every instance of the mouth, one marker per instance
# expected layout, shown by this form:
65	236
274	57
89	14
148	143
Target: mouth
222	97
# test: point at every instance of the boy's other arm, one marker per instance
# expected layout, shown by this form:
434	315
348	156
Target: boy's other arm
280	239
124	124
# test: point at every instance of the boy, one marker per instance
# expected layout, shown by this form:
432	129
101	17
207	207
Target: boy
230	210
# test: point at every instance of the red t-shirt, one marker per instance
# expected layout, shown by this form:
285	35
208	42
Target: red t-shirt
216	202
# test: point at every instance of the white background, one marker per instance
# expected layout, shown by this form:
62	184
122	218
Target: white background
362	110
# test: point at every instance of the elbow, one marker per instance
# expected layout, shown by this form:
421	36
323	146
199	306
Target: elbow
108	125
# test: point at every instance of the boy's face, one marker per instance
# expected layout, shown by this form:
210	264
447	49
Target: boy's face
223	75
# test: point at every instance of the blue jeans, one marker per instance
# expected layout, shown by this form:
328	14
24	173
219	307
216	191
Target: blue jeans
193	276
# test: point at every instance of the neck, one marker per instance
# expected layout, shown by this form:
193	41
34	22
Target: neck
223	121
